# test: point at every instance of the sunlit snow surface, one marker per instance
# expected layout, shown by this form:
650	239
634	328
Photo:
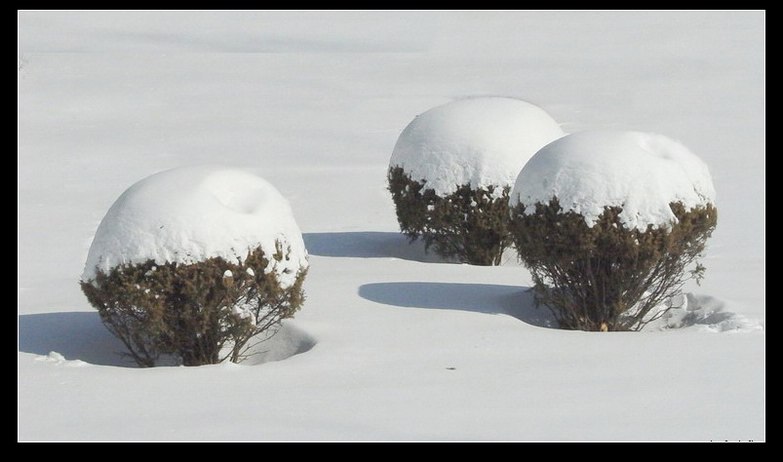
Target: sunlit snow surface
391	344
642	173
189	214
476	141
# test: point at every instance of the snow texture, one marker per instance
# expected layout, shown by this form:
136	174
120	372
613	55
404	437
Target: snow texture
391	344
189	214
641	172
479	141
704	312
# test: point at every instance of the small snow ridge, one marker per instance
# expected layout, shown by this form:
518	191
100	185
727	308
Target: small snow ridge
53	356
705	313
57	358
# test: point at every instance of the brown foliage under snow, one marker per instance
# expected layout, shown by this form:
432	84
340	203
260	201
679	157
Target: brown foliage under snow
192	311
470	225
607	277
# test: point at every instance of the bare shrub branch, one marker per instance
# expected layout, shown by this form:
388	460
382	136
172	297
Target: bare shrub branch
194	311
607	275
469	224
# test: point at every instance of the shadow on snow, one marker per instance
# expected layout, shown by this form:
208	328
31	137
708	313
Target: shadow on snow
513	301
369	244
75	335
82	336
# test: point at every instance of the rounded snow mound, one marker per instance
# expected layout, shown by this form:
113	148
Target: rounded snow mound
190	214
478	141
704	313
641	172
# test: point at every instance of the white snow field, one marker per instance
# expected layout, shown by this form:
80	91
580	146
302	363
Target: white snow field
391	344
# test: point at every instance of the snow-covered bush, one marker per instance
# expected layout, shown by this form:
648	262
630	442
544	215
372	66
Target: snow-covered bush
198	263
611	224
452	169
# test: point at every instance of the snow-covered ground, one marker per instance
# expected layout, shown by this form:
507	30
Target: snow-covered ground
393	344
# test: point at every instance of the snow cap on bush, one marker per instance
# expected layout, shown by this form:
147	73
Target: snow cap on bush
479	141
190	214
643	173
